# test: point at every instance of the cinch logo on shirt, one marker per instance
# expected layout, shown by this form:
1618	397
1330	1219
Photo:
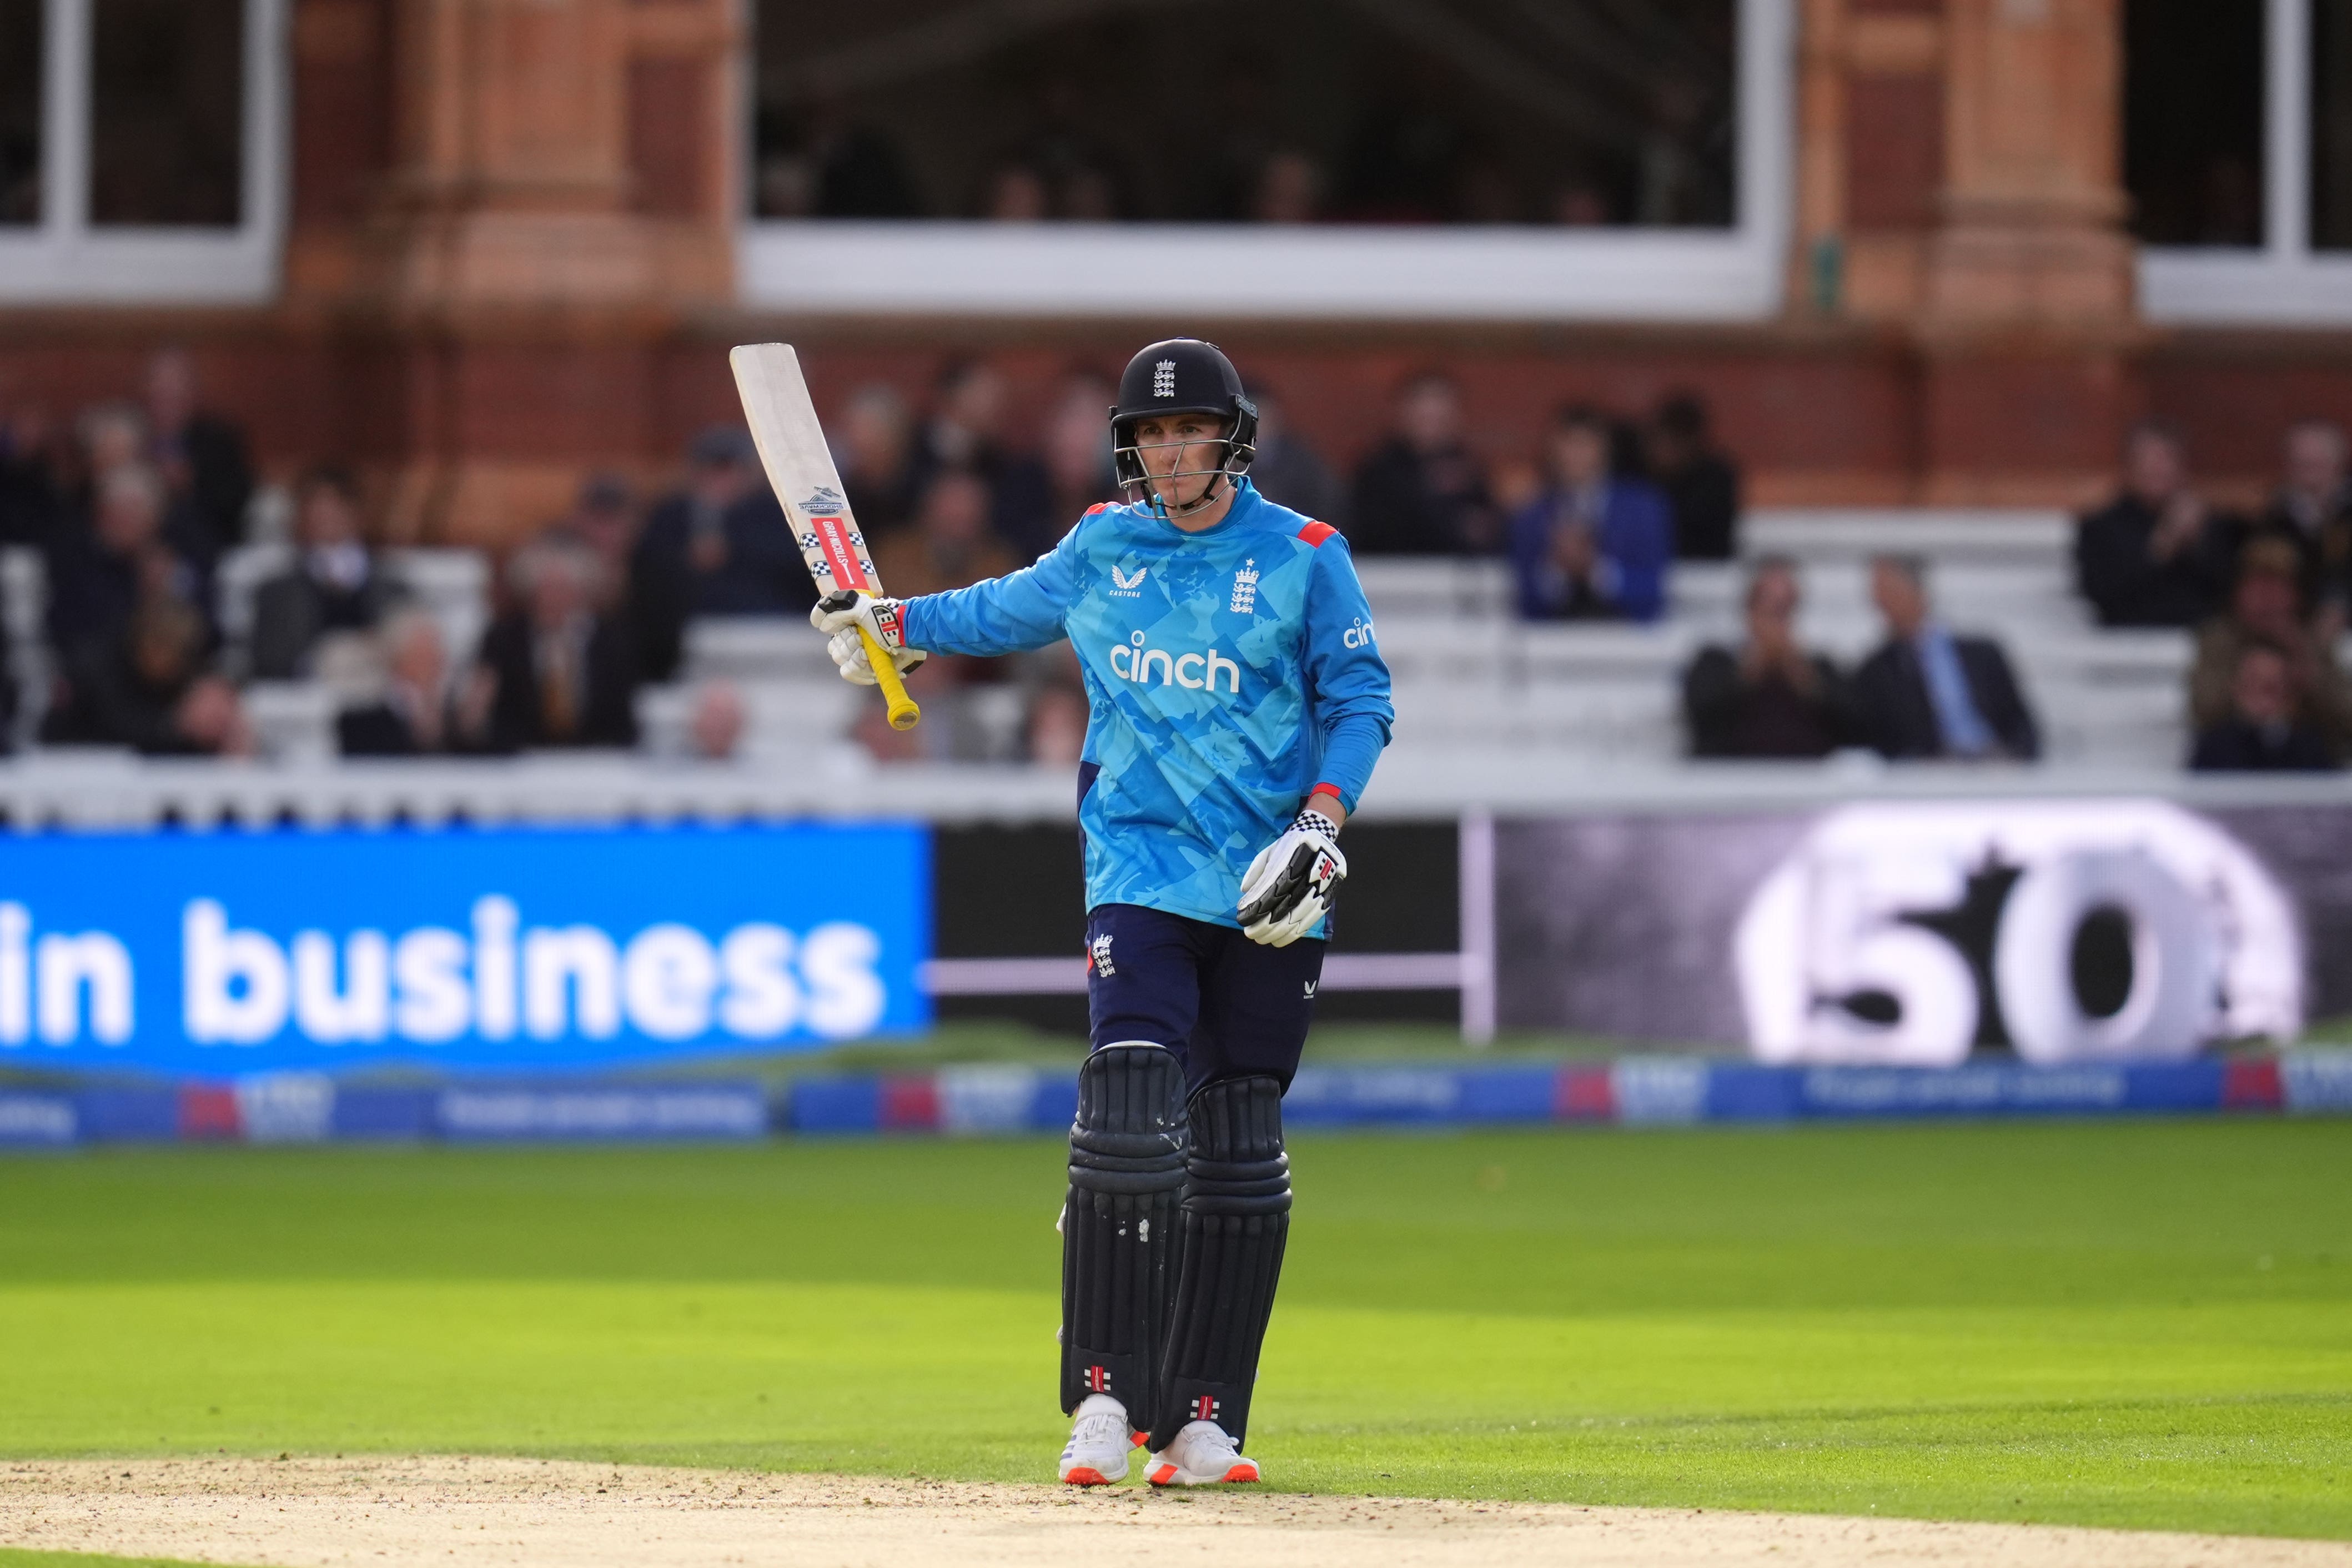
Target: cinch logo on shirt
1133	661
1360	635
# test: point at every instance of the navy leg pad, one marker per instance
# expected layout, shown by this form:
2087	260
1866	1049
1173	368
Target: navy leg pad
1119	1226
1236	1221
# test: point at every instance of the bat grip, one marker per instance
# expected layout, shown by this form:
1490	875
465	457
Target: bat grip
903	712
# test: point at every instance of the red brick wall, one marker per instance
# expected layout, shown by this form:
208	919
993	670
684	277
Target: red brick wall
667	169
2235	394
343	107
1895	150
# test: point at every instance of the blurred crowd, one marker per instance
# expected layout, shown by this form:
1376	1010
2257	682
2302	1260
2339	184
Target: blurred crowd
2265	593
160	616
139	507
1408	155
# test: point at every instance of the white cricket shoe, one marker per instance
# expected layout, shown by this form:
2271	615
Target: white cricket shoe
1097	1454
1202	1456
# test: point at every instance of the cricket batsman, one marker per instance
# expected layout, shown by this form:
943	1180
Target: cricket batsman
1238	704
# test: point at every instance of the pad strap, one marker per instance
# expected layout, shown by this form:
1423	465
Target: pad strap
1120	1226
1236	1221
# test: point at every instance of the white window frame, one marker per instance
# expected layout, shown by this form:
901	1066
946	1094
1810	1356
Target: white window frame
1068	270
65	259
2284	282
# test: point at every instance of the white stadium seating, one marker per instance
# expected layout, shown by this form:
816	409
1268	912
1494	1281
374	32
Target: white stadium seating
1490	710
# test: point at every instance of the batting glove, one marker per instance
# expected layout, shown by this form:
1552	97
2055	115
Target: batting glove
1289	886
841	612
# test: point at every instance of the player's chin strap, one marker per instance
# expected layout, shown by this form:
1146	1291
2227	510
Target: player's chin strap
1162	511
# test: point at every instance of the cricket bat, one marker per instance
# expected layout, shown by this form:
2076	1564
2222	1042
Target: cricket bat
800	469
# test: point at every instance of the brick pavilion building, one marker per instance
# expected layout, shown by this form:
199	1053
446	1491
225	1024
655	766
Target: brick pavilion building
1912	251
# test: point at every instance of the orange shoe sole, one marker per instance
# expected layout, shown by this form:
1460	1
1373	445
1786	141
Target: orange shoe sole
1244	1472
1087	1476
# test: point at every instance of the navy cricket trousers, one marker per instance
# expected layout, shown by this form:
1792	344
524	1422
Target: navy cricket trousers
1228	1007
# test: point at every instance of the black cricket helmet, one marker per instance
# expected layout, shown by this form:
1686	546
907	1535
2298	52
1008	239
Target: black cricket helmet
1182	375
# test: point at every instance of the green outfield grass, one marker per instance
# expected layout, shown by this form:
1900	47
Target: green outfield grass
2122	1324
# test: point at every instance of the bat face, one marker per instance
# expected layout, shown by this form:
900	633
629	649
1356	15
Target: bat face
800	467
800	470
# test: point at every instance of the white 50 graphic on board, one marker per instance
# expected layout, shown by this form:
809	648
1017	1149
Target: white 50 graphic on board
497	980
1907	934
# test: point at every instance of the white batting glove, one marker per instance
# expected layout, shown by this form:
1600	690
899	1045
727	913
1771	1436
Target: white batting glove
1288	887
841	612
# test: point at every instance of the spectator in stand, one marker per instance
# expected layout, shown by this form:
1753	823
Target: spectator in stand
100	572
1701	483
877	460
1583	201
418	715
1401	156
561	673
2156	555
715	728
148	687
30	495
201	456
603	517
336	585
1772	698
2266	609
1593	545
966	430
1424	492
1016	194
1287	470
718	547
1078	452
838	167
2312	511
1929	691
1289	188
2262	731
950	545
114	435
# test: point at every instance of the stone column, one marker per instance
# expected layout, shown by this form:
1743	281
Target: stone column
2030	319
561	189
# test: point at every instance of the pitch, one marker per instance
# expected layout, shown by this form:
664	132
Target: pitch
2142	1325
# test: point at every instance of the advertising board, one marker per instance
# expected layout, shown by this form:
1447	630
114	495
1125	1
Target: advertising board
501	949
1911	933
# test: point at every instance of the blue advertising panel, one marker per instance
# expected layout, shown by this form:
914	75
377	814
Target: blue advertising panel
506	949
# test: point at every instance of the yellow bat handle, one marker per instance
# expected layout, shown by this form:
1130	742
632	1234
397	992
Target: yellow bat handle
903	712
